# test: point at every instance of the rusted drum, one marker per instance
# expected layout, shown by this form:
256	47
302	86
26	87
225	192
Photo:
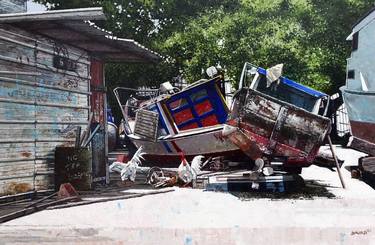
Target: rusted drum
112	136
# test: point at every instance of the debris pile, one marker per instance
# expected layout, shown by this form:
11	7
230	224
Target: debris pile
274	125
16	206
212	174
365	170
128	170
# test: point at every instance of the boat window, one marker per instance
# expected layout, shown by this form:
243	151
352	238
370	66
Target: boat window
287	94
200	106
178	104
322	106
198	96
183	116
351	74
355	41
203	107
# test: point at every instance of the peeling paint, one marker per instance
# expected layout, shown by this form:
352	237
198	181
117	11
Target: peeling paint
39	107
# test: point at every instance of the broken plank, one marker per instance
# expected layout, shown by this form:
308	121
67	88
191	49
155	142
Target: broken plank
367	168
41	200
68	205
27	211
362	145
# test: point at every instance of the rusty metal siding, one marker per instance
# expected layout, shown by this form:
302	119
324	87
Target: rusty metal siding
40	106
12	6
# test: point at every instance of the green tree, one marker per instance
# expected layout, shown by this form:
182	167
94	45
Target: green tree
308	36
149	22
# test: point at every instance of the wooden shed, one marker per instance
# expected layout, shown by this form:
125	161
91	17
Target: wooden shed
51	78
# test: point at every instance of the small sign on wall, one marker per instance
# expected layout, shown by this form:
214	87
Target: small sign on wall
64	63
73	165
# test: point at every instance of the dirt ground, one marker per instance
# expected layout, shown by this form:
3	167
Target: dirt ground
320	213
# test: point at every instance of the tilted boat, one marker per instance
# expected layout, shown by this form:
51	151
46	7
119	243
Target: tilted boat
280	122
188	120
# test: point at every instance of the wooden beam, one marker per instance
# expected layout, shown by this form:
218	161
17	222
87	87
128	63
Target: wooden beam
68	205
362	145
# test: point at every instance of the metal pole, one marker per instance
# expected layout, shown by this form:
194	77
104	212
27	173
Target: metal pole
337	163
92	135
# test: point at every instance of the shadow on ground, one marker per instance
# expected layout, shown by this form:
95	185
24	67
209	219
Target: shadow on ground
309	190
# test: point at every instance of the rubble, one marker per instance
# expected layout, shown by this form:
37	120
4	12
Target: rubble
272	130
128	170
272	119
214	175
366	170
325	159
246	182
66	197
66	194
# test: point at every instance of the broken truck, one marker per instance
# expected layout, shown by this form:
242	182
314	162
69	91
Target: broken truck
271	121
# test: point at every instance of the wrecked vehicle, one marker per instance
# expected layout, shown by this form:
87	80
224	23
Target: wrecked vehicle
278	120
271	121
170	122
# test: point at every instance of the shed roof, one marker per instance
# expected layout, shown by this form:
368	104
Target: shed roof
74	27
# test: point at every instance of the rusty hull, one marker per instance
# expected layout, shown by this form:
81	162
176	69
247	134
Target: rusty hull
270	127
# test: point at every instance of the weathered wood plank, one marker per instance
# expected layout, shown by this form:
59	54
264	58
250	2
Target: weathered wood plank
362	145
40	106
367	168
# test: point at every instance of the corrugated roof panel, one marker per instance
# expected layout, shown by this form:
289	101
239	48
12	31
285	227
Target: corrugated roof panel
75	27
64	14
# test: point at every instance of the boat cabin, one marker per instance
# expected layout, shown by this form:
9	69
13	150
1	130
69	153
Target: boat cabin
201	104
285	90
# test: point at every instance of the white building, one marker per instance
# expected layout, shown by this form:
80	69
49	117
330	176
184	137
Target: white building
359	92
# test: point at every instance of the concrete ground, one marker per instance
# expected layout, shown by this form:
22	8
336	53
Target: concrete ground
188	216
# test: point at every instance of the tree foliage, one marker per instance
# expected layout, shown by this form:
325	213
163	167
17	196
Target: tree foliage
308	36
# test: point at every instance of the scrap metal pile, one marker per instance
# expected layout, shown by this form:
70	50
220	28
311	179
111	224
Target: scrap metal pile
212	174
271	127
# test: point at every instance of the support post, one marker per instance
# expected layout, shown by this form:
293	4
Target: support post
336	161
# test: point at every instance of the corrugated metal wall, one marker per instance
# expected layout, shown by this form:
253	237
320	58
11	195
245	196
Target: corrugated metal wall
12	6
40	107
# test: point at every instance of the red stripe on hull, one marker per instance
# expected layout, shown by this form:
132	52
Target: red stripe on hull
363	130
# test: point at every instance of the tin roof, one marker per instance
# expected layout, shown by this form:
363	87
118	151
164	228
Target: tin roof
367	14
362	22
74	27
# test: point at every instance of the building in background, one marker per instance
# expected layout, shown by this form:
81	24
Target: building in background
359	92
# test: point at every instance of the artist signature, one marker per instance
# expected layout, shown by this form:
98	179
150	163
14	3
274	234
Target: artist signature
363	232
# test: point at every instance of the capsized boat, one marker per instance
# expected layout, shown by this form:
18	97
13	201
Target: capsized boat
280	121
167	122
